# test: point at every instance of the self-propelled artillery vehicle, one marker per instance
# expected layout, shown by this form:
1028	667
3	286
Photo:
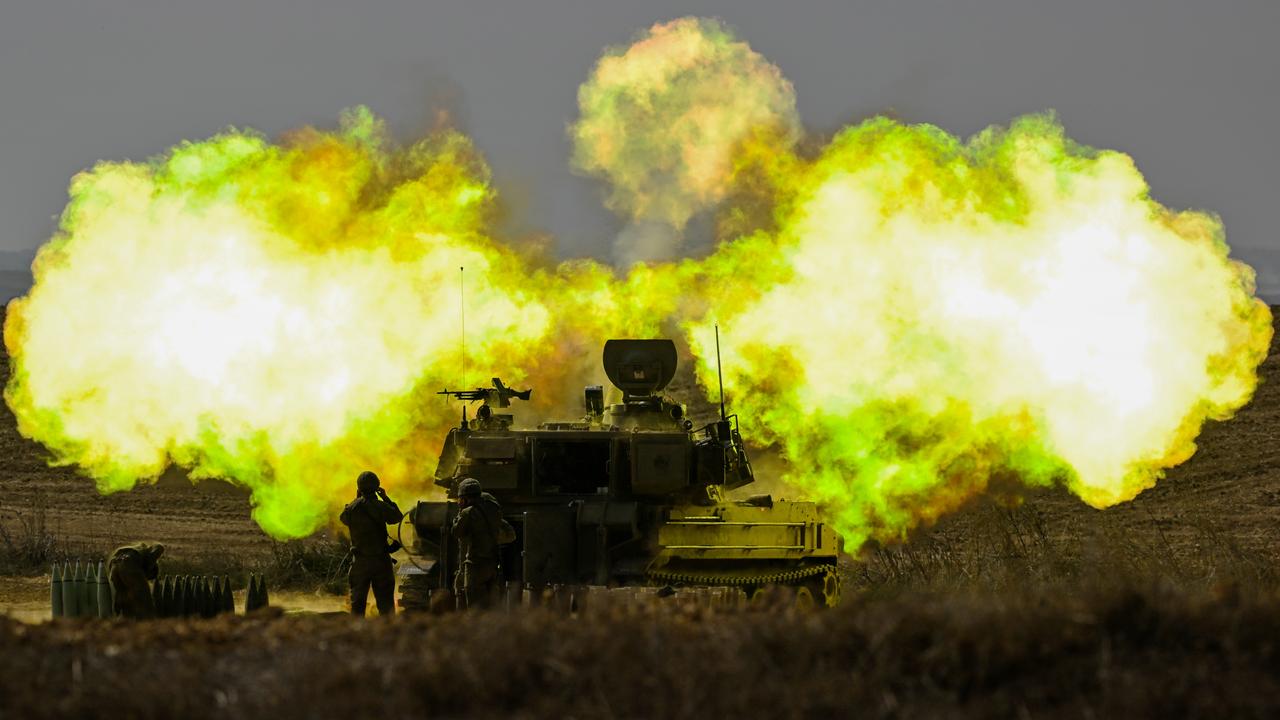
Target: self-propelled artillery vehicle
629	495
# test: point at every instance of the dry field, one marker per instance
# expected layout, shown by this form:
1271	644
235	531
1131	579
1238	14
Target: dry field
1168	605
1150	653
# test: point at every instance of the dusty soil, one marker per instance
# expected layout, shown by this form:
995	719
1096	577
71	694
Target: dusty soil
25	598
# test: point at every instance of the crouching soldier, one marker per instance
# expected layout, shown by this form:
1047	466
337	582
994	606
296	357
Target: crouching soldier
368	517
130	571
479	530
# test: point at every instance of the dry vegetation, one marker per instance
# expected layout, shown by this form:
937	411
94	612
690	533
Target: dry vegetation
1166	606
29	546
1148	652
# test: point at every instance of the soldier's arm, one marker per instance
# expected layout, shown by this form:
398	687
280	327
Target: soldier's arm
390	511
152	560
345	517
462	523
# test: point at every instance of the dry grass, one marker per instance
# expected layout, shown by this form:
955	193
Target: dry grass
318	563
1149	651
28	546
312	564
996	546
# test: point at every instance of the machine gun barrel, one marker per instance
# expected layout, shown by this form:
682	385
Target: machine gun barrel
499	394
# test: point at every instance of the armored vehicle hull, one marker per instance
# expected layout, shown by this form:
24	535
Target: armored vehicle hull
631	496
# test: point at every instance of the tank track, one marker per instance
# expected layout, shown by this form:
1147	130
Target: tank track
819	583
739	577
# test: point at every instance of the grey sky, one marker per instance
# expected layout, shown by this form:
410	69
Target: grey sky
1189	89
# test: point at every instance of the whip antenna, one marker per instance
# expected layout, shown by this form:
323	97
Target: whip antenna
462	312
719	374
462	333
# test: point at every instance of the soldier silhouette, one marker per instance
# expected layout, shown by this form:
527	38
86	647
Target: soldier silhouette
130	571
479	530
368	517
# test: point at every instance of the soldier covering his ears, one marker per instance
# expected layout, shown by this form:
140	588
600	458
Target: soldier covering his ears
368	517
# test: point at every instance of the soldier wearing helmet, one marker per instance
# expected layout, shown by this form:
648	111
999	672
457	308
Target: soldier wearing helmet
368	517
479	530
130	570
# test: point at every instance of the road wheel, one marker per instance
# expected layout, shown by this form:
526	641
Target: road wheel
805	600
823	590
772	596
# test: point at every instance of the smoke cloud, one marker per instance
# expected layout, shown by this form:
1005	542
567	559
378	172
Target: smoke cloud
279	315
939	315
920	317
660	120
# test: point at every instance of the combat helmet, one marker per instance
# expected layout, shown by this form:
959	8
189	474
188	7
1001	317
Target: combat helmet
367	482
468	488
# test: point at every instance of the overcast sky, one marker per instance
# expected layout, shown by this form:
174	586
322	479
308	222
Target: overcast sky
1189	89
